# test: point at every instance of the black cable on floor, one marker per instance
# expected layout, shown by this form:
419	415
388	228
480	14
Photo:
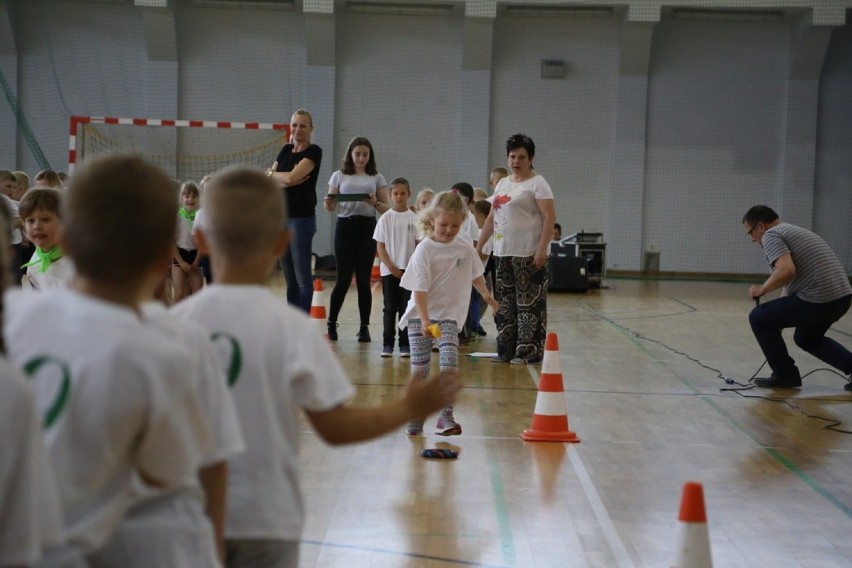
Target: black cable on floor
833	424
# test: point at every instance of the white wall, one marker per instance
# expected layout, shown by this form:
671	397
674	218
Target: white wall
833	193
715	103
568	119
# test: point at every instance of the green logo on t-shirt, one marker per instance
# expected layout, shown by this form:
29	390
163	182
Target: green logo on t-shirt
236	360
55	409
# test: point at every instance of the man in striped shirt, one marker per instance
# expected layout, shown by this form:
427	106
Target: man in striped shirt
816	294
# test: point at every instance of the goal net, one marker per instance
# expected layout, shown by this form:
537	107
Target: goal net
184	149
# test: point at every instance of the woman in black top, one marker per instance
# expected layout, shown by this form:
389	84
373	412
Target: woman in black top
297	170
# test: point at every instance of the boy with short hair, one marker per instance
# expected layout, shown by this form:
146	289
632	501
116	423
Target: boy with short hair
278	361
48	267
119	403
395	235
496	175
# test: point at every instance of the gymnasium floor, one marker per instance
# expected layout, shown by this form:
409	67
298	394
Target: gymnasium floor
777	484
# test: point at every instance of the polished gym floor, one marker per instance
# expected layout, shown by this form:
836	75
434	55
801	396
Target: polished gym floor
641	362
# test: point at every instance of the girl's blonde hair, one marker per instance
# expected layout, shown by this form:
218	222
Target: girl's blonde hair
444	202
421	193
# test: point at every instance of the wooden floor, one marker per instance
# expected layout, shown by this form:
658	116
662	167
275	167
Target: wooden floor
650	416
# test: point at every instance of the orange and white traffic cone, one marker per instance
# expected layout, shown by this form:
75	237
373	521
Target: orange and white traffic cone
318	306
693	538
376	273
550	417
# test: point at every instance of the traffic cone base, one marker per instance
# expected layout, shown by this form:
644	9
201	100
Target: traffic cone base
550	417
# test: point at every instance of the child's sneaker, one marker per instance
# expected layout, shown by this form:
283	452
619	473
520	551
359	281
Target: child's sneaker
405	352
447	426
414	427
387	351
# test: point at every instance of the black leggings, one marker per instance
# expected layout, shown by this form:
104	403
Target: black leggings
354	251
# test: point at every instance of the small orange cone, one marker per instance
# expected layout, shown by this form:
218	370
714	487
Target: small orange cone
376	273
550	417
693	544
318	306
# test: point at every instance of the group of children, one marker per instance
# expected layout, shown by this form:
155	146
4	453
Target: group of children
154	437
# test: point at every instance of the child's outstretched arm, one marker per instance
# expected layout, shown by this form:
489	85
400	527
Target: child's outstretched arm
348	424
482	288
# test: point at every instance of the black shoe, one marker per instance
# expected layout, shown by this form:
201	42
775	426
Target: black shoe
848	386
364	334
332	330
481	332
774	382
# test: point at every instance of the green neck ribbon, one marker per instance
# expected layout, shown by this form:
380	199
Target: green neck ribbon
188	215
45	258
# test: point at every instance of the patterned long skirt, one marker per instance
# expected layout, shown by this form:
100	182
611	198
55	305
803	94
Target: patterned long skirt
522	316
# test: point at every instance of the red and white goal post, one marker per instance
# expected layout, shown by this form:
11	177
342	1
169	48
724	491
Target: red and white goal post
184	149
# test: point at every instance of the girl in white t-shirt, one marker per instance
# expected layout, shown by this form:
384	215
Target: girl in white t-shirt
356	191
439	274
186	274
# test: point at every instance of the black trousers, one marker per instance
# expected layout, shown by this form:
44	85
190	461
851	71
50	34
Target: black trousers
396	300
354	251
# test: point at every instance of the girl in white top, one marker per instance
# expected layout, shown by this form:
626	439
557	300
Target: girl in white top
439	275
354	247
521	220
186	274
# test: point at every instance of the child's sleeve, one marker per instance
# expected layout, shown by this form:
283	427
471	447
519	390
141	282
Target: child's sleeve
319	381
417	276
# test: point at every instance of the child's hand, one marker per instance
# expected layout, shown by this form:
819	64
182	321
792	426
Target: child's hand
185	267
493	303
397	273
425	397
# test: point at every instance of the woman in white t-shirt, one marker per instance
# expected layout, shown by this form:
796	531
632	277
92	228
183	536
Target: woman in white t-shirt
356	191
521	220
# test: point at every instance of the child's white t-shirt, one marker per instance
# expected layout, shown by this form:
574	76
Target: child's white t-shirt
116	400
470	227
445	271
59	274
30	519
185	238
487	247
398	231
517	219
279	363
170	528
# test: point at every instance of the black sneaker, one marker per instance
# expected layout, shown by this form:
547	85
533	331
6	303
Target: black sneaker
774	382
848	385
332	330
364	334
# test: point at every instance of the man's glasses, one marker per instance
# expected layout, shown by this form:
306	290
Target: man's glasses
753	227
